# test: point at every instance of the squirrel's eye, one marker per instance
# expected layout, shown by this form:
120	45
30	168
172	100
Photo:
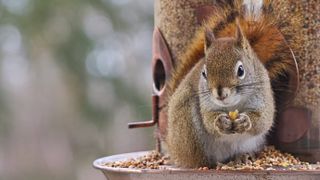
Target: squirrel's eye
240	70
204	73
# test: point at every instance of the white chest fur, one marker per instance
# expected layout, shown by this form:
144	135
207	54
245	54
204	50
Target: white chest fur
219	149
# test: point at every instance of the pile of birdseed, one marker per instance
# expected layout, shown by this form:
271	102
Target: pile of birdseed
152	160
268	159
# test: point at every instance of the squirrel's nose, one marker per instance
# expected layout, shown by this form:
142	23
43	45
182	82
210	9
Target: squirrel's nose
223	93
221	98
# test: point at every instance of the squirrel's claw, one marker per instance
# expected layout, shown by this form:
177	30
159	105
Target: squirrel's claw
223	124
242	124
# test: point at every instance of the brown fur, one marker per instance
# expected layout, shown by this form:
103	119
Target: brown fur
181	149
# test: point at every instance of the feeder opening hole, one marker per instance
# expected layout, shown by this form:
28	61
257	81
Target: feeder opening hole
159	75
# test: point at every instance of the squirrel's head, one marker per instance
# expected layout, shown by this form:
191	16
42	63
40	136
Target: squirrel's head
229	71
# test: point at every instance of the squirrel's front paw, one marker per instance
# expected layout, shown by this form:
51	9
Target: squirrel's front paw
223	124
242	124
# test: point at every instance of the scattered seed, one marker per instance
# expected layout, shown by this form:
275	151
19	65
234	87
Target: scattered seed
268	159
153	160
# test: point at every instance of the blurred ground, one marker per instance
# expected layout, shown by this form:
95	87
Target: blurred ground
73	73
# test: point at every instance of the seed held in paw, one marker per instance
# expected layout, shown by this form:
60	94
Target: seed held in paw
234	114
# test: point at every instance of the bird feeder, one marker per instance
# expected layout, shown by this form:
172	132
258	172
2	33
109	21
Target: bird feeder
297	123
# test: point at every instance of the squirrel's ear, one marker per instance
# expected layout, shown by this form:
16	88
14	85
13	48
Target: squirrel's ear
239	36
209	38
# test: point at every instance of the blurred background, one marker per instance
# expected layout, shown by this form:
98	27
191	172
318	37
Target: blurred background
73	73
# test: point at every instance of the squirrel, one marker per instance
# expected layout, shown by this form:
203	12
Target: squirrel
233	63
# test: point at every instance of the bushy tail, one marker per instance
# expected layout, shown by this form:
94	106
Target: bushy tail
268	34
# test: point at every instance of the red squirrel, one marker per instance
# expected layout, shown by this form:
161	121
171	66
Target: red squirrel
230	66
